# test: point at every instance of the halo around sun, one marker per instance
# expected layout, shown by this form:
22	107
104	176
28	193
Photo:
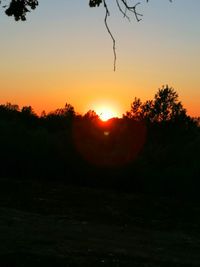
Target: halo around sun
105	113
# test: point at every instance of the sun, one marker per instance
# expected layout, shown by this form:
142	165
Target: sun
106	113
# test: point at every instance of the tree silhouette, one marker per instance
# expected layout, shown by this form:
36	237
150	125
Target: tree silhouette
67	112
28	111
60	119
91	115
124	153
165	107
136	110
9	110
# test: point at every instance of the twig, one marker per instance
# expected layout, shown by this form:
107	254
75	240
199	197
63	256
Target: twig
108	29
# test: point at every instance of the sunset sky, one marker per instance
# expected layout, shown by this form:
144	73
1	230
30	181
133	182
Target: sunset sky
63	53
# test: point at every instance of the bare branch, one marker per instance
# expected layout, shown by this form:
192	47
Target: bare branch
122	11
132	9
108	29
124	8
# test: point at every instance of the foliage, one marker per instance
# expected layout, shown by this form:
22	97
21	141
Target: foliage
19	8
91	115
154	148
94	3
165	107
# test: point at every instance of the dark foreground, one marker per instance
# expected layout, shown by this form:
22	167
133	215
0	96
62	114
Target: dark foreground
46	224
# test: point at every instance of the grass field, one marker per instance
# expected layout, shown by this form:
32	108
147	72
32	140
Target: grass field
51	224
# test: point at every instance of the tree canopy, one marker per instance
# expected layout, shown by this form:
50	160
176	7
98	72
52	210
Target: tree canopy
19	8
165	107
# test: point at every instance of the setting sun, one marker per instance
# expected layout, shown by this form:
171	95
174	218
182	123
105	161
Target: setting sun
106	113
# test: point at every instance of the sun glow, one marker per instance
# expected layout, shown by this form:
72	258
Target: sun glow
106	113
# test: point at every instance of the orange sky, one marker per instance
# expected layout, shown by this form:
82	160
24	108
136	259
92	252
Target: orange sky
61	56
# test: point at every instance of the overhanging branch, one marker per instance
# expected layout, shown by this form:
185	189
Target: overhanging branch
126	9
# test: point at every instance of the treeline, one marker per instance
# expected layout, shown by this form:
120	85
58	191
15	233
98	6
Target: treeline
154	147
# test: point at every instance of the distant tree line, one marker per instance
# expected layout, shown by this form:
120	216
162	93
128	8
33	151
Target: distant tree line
154	147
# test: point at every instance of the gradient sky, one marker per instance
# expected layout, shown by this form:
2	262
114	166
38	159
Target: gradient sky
62	53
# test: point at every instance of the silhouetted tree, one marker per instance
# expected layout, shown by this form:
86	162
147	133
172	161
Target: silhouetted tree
136	110
9	111
91	115
28	111
60	118
29	117
19	8
67	111
140	111
11	107
159	156
165	107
